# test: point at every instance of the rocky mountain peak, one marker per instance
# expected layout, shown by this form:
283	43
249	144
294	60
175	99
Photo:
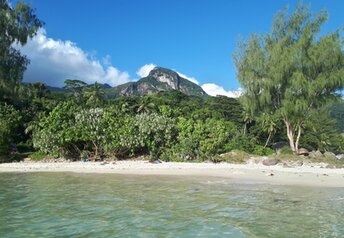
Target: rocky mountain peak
159	80
167	76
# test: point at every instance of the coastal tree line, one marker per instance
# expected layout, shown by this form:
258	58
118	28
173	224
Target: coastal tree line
291	79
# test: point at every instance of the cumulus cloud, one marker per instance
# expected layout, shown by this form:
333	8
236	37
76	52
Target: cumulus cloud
145	70
53	61
214	90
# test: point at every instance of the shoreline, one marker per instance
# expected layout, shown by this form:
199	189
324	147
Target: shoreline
306	175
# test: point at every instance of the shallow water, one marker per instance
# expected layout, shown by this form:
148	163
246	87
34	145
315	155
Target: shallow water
96	205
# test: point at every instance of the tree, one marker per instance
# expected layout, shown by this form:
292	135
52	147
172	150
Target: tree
291	72
94	95
17	25
36	90
146	106
337	113
321	133
76	87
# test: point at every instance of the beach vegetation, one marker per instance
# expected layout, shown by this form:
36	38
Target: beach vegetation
291	79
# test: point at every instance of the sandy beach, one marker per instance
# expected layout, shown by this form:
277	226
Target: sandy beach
306	175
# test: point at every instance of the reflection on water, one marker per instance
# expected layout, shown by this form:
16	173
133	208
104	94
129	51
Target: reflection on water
94	205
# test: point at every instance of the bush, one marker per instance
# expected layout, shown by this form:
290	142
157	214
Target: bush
262	151
286	150
24	147
241	143
38	155
199	139
10	120
235	157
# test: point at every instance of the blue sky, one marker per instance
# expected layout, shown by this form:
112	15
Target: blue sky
195	37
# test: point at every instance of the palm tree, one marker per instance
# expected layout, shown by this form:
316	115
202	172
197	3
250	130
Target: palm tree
94	95
269	125
146	106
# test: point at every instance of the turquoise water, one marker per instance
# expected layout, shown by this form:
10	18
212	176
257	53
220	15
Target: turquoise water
94	205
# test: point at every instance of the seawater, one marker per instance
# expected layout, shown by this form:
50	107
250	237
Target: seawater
106	205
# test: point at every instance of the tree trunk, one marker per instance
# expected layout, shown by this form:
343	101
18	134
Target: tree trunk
290	134
268	140
299	131
96	149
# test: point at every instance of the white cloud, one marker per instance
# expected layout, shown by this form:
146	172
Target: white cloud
191	79
145	70
53	61
214	90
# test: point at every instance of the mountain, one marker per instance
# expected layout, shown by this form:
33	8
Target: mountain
159	80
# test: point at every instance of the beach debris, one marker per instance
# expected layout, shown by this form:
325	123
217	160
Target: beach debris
104	163
325	174
270	174
270	161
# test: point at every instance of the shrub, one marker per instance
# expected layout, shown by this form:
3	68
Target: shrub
261	150
10	120
199	139
38	155
286	150
235	157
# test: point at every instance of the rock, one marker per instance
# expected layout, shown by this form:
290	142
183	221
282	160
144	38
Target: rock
340	157
329	154
303	151
270	161
315	154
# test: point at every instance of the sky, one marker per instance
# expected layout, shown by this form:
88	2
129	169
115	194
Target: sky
117	41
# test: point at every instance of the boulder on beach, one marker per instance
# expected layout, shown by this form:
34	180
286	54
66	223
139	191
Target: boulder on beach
270	161
303	151
340	156
329	154
315	154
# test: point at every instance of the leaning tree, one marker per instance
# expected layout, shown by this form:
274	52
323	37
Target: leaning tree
292	71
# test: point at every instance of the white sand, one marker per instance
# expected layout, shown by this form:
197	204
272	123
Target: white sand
306	175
